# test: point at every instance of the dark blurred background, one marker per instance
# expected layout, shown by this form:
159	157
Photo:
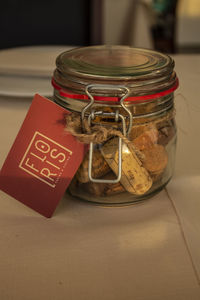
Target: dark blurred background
47	22
170	26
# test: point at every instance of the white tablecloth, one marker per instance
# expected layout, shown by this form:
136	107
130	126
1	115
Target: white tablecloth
147	251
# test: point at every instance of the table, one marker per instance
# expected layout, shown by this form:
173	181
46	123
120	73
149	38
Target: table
147	251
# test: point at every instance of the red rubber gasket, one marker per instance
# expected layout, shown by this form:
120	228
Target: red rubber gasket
67	94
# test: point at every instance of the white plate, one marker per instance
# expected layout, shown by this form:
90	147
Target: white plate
26	71
18	86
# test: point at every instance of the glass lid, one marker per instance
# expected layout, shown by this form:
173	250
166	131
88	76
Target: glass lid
117	62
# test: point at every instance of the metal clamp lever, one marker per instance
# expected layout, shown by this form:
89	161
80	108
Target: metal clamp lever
125	93
117	116
121	88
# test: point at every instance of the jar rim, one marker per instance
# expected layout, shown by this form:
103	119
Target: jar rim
142	71
114	62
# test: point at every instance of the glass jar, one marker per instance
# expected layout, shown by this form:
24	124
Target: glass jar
123	98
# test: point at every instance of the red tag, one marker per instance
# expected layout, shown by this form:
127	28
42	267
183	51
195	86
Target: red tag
43	159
